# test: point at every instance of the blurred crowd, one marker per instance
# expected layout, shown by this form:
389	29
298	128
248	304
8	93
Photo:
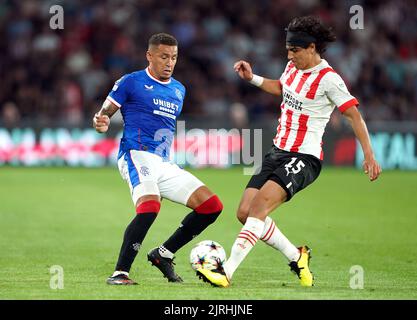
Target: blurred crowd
62	76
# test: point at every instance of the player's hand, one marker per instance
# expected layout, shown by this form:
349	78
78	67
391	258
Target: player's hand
371	168
244	70
101	123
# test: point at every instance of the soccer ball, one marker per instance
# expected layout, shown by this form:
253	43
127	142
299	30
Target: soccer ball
207	254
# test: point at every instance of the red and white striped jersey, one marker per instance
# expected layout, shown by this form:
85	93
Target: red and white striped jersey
309	97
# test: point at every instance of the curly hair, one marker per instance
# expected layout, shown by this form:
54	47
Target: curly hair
314	27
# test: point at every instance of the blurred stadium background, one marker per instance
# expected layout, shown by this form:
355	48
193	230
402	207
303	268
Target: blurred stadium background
53	81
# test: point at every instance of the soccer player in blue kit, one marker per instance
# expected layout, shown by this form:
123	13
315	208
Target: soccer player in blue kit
150	101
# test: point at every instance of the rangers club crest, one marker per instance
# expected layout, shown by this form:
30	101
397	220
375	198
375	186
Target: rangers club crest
178	94
116	84
144	171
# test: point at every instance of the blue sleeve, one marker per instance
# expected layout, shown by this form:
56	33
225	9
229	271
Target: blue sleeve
120	91
181	88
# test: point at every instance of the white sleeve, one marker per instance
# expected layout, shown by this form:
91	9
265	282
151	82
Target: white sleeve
286	70
338	93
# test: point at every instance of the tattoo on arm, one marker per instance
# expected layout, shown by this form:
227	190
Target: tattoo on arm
108	108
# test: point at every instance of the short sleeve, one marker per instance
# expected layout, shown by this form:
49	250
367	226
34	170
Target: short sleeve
184	92
286	70
120	91
338	93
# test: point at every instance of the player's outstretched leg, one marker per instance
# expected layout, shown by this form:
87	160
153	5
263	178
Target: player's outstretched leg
271	235
192	225
133	237
269	197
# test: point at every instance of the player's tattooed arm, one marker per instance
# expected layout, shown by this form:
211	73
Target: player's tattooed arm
101	120
108	108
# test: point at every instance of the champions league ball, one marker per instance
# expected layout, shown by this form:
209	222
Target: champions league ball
207	254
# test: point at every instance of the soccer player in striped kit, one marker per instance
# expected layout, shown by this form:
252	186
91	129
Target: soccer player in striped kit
150	101
311	90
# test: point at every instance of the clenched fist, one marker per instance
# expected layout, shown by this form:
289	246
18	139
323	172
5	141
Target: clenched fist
101	123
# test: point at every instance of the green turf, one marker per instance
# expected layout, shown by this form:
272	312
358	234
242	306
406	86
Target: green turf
75	218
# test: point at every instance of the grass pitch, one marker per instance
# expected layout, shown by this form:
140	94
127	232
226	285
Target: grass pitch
75	218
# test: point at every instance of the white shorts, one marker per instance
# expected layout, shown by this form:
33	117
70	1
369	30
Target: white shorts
147	174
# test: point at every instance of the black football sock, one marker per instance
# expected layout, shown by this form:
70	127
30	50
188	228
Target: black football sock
133	237
192	225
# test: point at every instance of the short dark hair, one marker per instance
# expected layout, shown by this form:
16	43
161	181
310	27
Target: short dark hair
162	38
314	27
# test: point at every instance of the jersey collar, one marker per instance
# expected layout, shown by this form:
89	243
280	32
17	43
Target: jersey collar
323	64
148	72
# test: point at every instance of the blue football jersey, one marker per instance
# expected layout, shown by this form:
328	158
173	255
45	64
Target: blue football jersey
149	108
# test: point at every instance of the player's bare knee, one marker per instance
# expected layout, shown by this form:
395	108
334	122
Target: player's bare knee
199	197
260	207
242	214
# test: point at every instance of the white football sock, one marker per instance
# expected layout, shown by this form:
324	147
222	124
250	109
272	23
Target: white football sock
244	242
272	236
116	273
